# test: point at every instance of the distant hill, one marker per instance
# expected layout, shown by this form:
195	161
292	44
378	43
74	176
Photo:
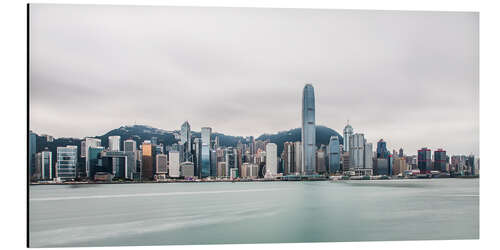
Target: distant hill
323	135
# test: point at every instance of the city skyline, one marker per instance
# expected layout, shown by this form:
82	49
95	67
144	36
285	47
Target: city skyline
388	88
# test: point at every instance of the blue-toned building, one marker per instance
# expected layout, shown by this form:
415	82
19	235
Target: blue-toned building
66	162
32	152
334	155
94	160
382	149
206	133
308	130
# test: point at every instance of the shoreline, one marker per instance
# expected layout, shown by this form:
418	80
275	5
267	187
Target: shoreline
242	181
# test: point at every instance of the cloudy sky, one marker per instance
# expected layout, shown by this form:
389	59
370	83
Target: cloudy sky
411	78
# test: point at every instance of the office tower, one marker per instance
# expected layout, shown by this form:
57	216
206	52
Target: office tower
221	169
368	156
424	160
174	164
440	160
272	158
348	132
83	149
147	160
213	162
400	166
66	162
32	152
233	173
391	163
321	160
401	154
161	164
231	160
298	157
382	149
186	135
383	166
187	169
90	142
43	165
114	143
357	150
206	133
334	154
308	130
346	163
129	145
288	158
92	158
471	164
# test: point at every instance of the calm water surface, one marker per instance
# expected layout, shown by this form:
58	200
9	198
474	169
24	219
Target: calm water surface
269	212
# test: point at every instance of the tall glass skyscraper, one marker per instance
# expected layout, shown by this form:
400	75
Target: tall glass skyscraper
206	134
308	130
334	154
348	132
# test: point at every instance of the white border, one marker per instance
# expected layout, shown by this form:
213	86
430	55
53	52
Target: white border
13	98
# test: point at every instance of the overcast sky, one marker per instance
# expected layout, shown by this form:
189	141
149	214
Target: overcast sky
411	78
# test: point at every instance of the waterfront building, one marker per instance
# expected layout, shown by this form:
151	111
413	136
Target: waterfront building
120	164
93	159
400	166
471	165
221	169
66	162
83	149
197	156
187	169
334	155
233	173
147	160
321	160
32	153
43	165
129	145
357	150
272	158
308	130
288	158
174	164
299	168
206	134
346	164
424	160
161	164
90	142
368	154
213	162
440	160
383	167
348	132
458	163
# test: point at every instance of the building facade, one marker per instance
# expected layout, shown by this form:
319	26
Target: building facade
308	130
67	159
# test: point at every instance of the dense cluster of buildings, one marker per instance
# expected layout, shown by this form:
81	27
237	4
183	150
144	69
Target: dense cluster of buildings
204	158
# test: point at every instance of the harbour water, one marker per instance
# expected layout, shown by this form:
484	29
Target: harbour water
253	212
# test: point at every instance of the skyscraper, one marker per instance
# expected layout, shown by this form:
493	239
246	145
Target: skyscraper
114	143
298	157
424	160
382	149
147	160
32	152
66	162
348	132
288	158
129	145
357	150
308	130
43	165
368	156
334	154
174	164
272	158
206	133
186	138
90	142
440	160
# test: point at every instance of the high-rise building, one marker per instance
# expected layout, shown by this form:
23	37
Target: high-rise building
348	132
43	165
382	149
440	160
399	166
213	162
321	160
90	142
187	169
299	168
93	158
197	156
308	130
32	153
368	156
272	158
161	164
334	155
401	153
424	160
288	158
206	133
114	143
66	162
129	145
471	164
186	140
357	150
147	160
174	164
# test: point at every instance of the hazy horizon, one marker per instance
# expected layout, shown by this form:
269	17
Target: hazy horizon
409	77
